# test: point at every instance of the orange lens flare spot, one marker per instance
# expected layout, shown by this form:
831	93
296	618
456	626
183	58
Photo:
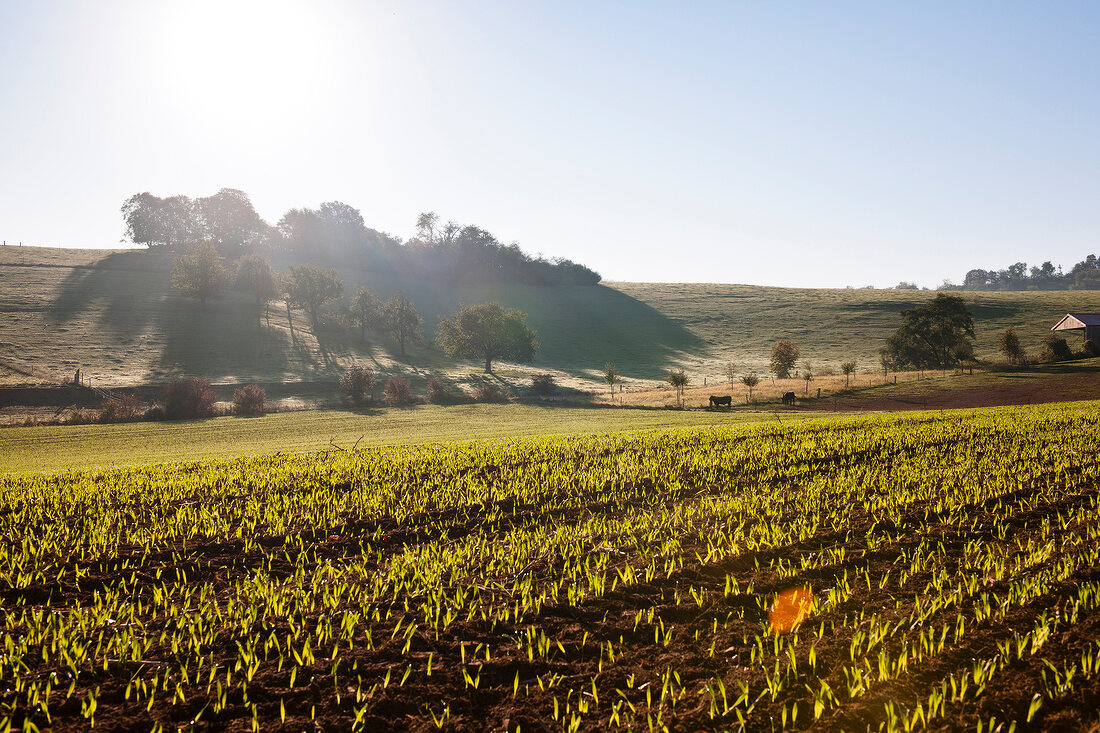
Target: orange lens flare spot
791	608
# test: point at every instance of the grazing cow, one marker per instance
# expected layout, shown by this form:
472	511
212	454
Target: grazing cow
719	401
788	398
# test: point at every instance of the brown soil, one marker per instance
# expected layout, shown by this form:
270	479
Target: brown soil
991	389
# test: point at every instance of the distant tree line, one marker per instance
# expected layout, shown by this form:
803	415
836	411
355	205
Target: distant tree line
335	232
1085	275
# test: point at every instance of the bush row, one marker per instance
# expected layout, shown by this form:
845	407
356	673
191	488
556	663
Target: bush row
193	398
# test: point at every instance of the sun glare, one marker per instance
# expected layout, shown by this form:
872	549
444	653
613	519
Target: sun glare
245	66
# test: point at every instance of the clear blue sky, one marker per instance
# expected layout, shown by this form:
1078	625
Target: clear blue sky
808	144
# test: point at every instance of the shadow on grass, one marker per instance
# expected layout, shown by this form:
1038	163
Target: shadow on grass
221	339
119	289
591	326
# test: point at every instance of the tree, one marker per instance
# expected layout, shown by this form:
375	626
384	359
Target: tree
847	368
1010	347
937	334
750	380
343	225
678	379
784	356
425	227
256	278
886	360
488	332
312	288
731	372
401	319
170	222
229	219
366	311
807	375
302	229
199	272
611	376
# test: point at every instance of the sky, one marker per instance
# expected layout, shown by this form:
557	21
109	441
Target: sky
776	143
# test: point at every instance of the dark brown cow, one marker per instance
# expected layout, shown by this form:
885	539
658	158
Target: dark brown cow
788	398
720	401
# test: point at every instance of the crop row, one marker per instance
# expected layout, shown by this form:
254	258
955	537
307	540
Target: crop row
574	583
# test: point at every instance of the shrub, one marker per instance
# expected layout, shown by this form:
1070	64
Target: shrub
489	393
543	385
249	400
441	392
398	391
1091	349
154	413
81	416
124	408
356	381
1055	349
188	399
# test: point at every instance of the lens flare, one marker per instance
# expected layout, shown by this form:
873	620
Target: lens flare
791	608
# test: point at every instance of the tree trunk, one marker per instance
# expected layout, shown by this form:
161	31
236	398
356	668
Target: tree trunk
488	364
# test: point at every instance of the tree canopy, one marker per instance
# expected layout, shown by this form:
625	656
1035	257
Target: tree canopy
256	278
199	272
401	320
312	288
366	311
938	333
226	219
488	332
784	356
678	378
335	233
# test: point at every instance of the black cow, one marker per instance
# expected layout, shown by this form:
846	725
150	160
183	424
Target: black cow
720	401
788	398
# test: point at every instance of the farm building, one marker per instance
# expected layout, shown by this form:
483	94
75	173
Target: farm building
1089	323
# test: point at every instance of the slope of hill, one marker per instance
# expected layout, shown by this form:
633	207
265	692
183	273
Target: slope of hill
113	315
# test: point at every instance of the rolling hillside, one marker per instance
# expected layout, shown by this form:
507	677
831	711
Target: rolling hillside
113	314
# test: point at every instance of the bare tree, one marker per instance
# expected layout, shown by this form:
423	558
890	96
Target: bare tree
731	372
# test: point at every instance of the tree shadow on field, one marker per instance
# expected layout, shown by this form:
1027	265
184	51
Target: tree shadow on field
116	292
220	340
596	325
578	328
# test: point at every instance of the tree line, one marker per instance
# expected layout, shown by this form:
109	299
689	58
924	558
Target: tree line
1085	275
335	232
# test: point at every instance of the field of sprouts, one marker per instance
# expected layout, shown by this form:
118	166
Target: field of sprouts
920	572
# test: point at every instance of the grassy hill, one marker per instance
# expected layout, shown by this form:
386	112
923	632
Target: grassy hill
113	314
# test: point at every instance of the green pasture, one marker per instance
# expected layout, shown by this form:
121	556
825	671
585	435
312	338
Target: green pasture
56	448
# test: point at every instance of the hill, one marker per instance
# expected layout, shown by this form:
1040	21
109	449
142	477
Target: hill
113	315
